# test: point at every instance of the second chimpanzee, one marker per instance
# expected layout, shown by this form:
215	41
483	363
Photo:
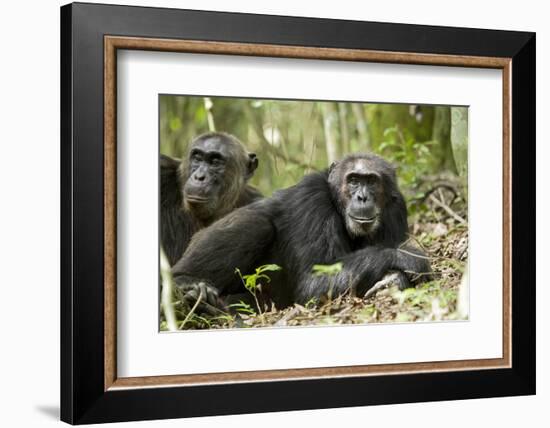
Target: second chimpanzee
353	213
208	184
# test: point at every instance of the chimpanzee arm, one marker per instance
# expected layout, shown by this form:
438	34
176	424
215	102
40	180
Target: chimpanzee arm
361	270
174	232
238	240
169	181
413	262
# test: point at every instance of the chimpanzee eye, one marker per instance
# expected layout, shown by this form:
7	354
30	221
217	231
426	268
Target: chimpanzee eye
353	181
372	179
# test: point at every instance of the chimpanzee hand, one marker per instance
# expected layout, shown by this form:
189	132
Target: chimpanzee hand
391	278
414	264
203	295
402	280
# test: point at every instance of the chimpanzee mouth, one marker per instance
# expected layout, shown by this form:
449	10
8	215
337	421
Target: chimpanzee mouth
363	220
194	199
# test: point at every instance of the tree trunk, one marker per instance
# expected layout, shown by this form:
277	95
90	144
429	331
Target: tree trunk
330	118
459	139
344	131
362	128
442	135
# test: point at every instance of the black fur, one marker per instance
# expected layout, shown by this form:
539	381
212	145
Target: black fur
178	221
302	226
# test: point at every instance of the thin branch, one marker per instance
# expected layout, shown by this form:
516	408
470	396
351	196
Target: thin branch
208	104
437	186
413	254
447	209
167	293
192	311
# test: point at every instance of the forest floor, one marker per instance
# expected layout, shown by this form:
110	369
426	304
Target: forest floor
439	227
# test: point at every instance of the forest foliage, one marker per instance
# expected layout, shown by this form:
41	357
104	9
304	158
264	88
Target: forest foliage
427	144
292	138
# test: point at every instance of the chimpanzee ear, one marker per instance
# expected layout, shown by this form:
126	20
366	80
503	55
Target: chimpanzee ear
332	166
169	162
252	165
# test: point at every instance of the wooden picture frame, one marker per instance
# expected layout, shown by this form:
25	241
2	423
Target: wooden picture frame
90	389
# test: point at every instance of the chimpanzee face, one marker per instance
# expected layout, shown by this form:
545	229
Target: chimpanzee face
217	169
207	168
359	184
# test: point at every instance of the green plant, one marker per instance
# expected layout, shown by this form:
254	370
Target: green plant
311	303
414	158
328	270
251	281
319	270
243	308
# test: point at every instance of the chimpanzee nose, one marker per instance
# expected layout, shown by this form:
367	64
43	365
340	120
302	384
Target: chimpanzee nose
362	197
199	176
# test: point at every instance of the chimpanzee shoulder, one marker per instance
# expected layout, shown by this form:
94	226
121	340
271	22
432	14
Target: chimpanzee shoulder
248	195
309	215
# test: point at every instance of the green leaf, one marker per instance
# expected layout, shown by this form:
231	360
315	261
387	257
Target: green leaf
268	268
243	307
175	124
327	269
385	144
389	131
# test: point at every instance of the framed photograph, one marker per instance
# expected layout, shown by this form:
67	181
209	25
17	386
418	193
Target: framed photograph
267	213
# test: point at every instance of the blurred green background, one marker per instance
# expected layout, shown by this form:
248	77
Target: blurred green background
292	138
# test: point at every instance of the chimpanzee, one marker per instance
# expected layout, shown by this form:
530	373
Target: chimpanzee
352	213
201	189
